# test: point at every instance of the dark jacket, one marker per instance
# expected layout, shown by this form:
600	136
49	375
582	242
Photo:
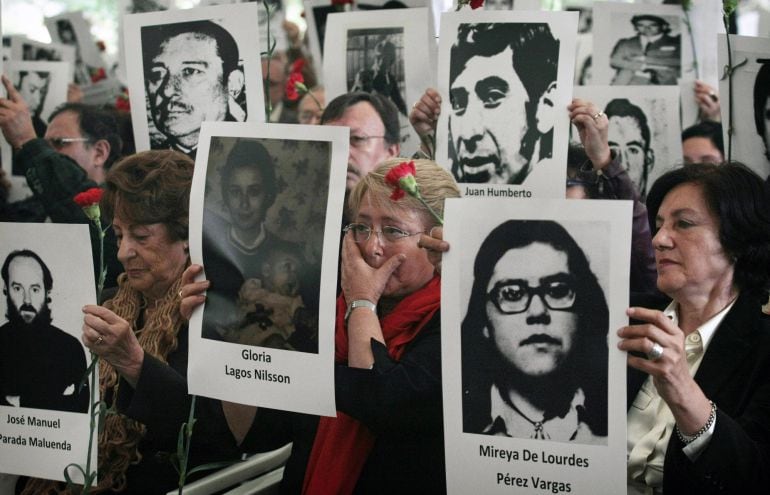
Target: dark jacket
401	403
735	374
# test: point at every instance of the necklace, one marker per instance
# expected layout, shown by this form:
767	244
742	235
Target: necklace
539	433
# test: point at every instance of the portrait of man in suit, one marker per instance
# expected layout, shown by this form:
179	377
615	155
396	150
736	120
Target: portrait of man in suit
653	56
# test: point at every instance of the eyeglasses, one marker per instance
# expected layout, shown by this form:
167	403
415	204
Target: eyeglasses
361	140
515	297
59	143
361	233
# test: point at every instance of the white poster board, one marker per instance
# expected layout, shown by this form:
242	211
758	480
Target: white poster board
247	344
23	48
749	104
565	357
71	28
503	133
168	106
644	128
52	430
370	51
621	56
43	85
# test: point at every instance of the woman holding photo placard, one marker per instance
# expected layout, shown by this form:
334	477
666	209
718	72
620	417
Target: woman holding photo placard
388	433
141	339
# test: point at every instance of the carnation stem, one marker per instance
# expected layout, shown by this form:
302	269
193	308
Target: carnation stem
426	205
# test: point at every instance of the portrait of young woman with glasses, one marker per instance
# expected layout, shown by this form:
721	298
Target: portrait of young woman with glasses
534	338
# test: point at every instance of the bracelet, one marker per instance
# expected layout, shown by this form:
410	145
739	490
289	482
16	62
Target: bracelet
688	439
359	303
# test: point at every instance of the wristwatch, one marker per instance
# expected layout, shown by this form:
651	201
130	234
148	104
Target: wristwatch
359	303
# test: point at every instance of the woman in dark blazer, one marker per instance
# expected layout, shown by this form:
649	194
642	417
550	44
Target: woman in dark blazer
699	378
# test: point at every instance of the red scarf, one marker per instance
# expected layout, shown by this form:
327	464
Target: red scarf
342	444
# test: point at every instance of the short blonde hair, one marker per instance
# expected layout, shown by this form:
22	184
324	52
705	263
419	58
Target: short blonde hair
436	184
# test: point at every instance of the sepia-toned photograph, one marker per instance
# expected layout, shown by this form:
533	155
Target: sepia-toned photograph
262	237
265	214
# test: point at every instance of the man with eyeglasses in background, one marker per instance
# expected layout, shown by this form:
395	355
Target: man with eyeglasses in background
79	146
374	130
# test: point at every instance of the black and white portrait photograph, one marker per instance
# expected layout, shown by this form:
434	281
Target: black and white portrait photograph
531	363
367	51
71	28
504	77
534	338
641	45
43	85
135	7
644	128
750	111
262	200
189	66
23	48
43	365
376	63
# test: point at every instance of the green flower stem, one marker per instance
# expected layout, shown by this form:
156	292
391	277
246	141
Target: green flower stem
310	93
269	53
692	40
426	205
726	20
186	432
91	475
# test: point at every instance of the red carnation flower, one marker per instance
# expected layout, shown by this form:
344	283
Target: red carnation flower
295	86
88	197
401	178
475	4
98	75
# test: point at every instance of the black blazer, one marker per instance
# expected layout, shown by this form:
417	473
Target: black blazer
735	374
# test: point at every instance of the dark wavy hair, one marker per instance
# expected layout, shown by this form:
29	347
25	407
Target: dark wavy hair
586	366
151	187
535	60
740	200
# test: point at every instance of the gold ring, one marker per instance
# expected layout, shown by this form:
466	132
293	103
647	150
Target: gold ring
99	340
180	293
597	116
